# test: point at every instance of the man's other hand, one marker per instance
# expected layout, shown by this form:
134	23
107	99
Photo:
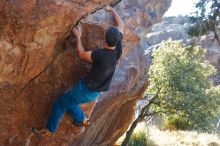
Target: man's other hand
108	8
77	32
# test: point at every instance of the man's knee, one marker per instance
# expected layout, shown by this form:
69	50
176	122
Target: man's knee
57	105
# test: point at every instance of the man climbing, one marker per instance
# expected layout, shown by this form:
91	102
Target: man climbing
104	62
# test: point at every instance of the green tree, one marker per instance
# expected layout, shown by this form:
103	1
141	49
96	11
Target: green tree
207	18
185	87
180	85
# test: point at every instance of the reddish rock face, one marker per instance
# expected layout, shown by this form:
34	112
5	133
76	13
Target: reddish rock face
39	62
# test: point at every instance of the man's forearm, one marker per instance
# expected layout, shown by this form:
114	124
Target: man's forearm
117	17
118	20
80	49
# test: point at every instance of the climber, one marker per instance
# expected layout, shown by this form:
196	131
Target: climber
98	79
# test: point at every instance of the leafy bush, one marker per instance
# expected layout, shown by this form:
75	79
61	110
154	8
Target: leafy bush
175	122
138	139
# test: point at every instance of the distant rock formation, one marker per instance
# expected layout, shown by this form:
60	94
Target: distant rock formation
38	62
176	28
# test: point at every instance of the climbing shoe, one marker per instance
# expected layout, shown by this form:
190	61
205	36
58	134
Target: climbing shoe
85	123
42	131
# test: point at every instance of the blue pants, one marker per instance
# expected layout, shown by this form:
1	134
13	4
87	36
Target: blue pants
69	102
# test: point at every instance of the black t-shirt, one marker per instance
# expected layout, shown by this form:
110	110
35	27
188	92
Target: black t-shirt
103	67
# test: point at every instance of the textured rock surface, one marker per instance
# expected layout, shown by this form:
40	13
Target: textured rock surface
170	27
38	63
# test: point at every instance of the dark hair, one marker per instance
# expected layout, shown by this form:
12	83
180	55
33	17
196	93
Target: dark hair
112	36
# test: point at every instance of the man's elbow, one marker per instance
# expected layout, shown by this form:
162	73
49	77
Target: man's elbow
121	24
121	27
81	55
85	57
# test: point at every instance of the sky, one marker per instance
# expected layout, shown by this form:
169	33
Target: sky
181	7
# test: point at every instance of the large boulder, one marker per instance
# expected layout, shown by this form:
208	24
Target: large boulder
38	62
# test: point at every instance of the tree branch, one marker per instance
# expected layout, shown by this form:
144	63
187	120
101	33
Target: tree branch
139	118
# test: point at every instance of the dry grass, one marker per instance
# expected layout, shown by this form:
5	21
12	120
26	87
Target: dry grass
140	127
177	138
182	138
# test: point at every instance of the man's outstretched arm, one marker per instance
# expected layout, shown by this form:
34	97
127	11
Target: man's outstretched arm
118	19
85	55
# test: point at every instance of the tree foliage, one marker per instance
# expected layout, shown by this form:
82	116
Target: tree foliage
185	85
207	18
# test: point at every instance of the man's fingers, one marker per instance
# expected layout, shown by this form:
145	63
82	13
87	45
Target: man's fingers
74	30
108	8
79	28
77	31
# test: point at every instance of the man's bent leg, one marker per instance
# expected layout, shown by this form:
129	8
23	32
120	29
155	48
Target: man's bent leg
55	116
77	114
59	107
81	94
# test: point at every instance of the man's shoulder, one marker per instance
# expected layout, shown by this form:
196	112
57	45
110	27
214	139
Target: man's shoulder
103	51
98	54
99	51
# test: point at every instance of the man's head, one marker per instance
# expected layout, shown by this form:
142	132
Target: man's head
112	36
